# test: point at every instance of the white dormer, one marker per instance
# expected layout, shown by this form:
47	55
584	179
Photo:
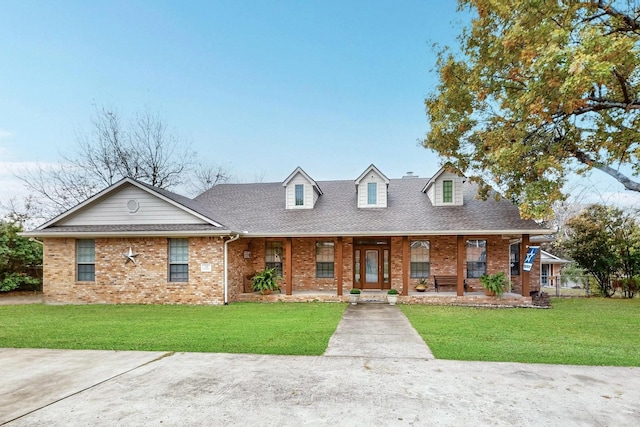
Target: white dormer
445	188
301	191
372	188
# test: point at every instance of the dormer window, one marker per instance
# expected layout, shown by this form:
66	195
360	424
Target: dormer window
447	191
372	193
299	194
371	188
445	188
301	191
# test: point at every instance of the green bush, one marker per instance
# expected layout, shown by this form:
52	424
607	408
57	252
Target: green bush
266	280
496	283
18	258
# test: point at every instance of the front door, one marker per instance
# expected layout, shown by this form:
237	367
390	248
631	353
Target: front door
371	268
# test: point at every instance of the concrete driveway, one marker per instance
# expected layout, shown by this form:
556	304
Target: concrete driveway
389	388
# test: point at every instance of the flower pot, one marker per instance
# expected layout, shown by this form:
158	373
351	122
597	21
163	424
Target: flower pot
489	293
266	292
393	299
421	288
353	298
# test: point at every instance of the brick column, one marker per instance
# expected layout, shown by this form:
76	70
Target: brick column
406	257
461	258
525	275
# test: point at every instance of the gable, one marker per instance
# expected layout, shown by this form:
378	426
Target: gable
445	188
130	205
300	181
371	188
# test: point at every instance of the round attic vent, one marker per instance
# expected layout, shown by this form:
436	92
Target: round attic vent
133	206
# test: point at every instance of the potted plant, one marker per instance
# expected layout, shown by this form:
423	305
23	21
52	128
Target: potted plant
392	296
354	296
266	281
494	284
422	285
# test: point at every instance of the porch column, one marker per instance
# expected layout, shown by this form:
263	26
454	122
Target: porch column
525	275
460	265
339	265
406	256
288	267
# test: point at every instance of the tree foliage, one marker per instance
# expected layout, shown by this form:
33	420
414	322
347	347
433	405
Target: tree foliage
142	148
18	258
539	89
605	242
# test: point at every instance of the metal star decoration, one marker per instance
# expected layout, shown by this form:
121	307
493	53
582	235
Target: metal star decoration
130	256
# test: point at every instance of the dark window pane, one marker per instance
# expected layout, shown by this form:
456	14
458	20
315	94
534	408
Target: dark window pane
420	270
86	272
515	260
299	195
324	269
179	273
276	265
476	269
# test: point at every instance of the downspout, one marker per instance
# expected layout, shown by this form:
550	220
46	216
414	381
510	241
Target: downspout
226	264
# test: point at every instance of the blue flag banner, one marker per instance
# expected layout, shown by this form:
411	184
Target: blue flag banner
531	255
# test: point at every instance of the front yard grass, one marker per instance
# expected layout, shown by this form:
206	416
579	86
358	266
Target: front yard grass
582	331
290	329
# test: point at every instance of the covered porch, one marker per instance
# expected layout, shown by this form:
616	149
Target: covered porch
310	272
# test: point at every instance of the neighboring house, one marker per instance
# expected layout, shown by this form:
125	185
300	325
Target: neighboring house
133	243
550	268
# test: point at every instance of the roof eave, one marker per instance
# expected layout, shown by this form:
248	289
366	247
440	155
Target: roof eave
395	233
90	234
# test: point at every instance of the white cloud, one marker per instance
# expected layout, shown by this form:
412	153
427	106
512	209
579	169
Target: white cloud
4	134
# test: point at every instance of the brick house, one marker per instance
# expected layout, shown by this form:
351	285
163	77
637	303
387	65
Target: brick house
134	243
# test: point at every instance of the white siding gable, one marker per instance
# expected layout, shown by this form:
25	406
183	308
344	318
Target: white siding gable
130	205
363	190
311	190
310	195
436	194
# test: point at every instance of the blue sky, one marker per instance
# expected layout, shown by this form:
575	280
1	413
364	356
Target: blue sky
258	86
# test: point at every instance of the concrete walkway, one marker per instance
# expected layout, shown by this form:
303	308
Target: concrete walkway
377	330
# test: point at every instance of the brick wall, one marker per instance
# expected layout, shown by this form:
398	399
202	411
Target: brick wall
145	282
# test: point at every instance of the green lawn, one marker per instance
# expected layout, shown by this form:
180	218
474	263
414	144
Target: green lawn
583	331
294	329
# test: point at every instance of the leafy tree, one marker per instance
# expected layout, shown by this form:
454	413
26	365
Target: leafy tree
143	148
539	89
605	242
18	258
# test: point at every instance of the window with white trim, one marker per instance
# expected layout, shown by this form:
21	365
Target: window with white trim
86	260
273	256
324	259
476	258
447	191
372	193
420	259
178	260
299	190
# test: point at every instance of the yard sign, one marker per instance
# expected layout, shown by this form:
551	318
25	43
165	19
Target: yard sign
531	255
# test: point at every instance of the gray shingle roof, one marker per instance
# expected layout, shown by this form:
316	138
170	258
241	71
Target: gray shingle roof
260	209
